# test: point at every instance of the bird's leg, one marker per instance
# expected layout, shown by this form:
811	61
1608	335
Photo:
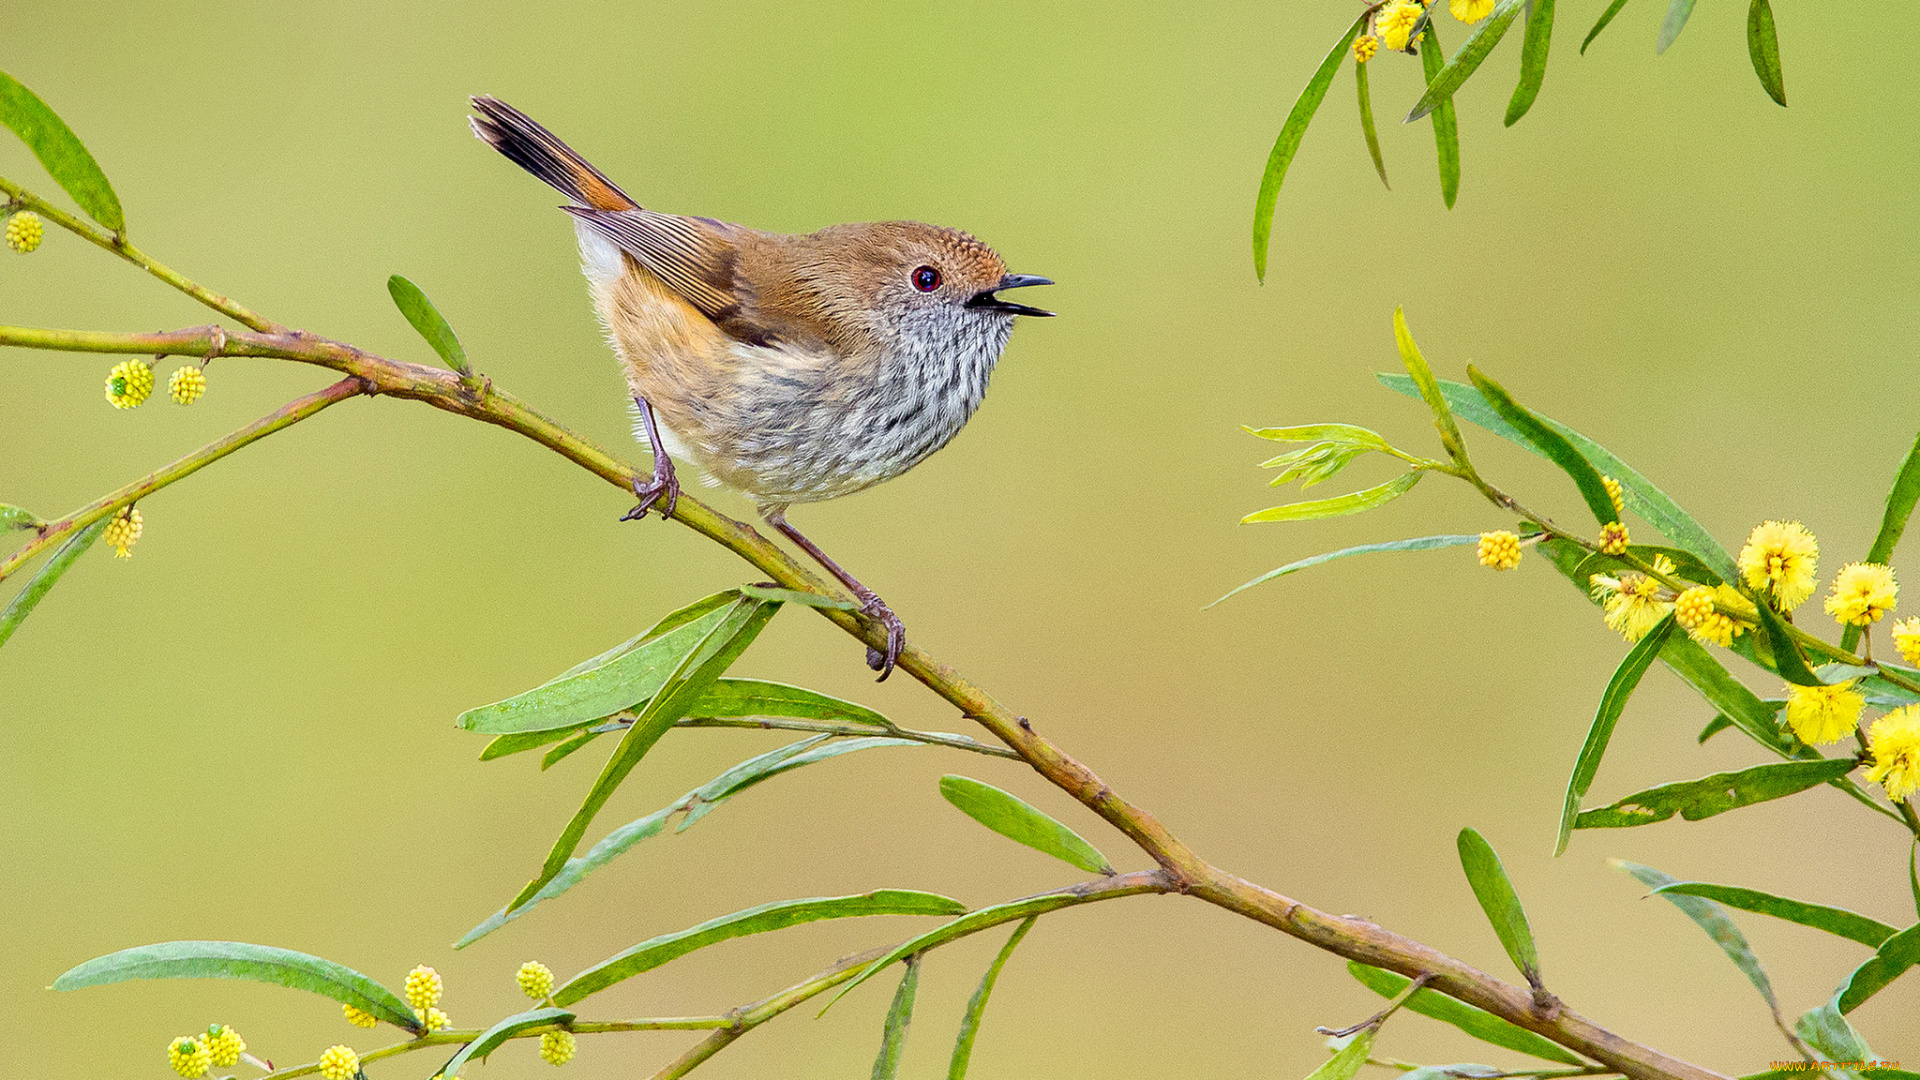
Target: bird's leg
663	483
870	605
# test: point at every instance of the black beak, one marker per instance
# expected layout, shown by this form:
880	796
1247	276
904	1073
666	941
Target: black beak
985	298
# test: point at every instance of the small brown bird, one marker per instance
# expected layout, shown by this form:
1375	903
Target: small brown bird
789	368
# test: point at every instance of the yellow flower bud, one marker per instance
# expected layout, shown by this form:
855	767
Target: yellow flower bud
123	532
435	1019
1612	485
1613	538
423	988
24	231
1499	550
1364	47
535	979
189	1056
358	1018
556	1047
225	1044
186	385
129	383
339	1063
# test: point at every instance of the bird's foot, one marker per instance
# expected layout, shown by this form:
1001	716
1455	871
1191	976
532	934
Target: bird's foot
882	662
663	485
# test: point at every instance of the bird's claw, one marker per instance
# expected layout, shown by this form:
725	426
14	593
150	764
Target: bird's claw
663	484
883	662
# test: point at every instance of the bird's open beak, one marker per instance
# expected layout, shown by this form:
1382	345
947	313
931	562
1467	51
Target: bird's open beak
985	298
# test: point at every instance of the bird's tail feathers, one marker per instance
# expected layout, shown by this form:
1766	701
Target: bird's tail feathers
540	152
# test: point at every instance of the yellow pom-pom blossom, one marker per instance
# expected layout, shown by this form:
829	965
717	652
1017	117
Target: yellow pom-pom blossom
1470	11
1364	47
1823	714
123	532
1694	611
358	1018
556	1047
1612	485
1906	638
24	231
225	1044
535	979
423	988
1499	550
435	1019
1780	558
1613	538
186	385
1632	602
339	1063
129	383
1895	742
1394	22
189	1056
1862	594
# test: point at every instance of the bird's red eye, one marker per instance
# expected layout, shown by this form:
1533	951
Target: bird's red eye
926	279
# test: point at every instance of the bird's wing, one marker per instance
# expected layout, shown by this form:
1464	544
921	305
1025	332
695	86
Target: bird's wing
697	258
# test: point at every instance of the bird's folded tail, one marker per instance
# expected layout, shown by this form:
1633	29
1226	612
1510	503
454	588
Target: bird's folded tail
541	153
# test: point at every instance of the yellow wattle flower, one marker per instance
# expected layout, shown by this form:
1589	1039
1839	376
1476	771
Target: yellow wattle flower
1470	11
1906	638
1780	558
123	532
225	1045
434	1019
357	1017
535	979
1499	550
189	1056
24	231
1613	538
129	383
423	988
556	1047
339	1063
1394	22
1824	714
1894	740
1364	47
1862	594
1632	602
186	385
1614	493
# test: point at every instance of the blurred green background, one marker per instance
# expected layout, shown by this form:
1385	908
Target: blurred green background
245	731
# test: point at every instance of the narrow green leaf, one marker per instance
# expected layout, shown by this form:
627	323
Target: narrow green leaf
618	679
1471	1019
1901	499
1533	60
36	587
1677	13
1895	956
1612	702
1716	794
1788	663
1441	85
1494	890
795	596
1420	377
503	745
1446	132
1707	915
1463	1071
1827	1031
1837	921
959	928
429	322
1553	445
656	951
1738	704
977	1005
1357	502
566	749
893	1038
238	960
1346	1062
1913	872
1764	48
1288	144
1334	433
1016	819
13	517
492	1038
1605	18
66	159
682	689
701	800
1366	123
757	697
1715	726
1423	543
1640	494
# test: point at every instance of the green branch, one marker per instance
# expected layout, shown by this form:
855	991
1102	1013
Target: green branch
1187	872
